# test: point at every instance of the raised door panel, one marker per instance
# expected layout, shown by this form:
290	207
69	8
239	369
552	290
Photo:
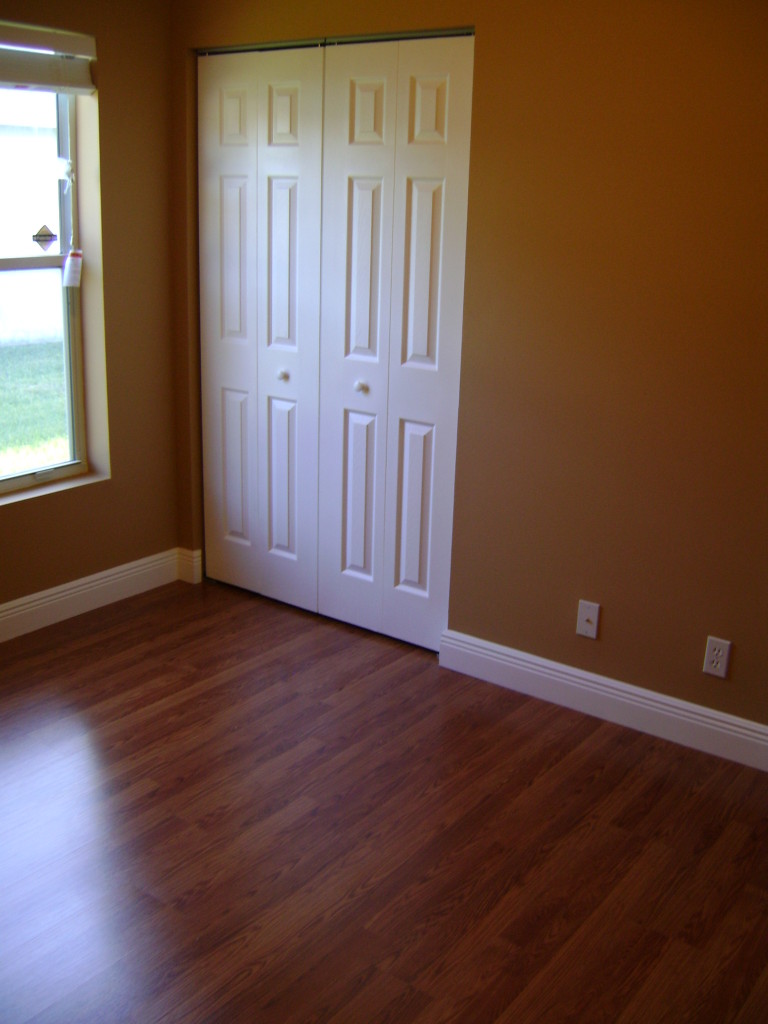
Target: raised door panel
358	179
429	233
234	450
356	525
422	255
413	510
282	477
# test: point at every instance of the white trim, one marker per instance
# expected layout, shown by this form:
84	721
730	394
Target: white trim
49	606
692	725
190	565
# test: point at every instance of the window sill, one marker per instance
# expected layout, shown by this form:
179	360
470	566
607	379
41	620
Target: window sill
52	487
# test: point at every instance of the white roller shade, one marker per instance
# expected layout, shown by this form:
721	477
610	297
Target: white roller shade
40	58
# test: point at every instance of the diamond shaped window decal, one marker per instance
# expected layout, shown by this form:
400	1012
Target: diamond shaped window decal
44	237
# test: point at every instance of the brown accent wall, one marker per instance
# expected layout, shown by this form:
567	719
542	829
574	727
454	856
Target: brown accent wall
613	419
59	537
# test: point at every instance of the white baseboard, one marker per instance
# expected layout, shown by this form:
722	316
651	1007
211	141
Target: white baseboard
692	725
83	595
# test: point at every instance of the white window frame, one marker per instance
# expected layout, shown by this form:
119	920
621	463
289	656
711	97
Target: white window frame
58	62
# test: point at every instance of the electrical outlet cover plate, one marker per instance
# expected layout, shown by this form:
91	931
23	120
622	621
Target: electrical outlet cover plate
717	656
588	619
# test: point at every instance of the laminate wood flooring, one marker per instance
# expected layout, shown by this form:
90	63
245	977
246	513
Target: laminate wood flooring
218	809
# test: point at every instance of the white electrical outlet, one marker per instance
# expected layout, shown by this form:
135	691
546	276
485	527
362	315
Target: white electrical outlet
588	619
717	656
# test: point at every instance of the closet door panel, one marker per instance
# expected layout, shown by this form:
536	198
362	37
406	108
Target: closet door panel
429	234
260	165
288	289
228	91
358	179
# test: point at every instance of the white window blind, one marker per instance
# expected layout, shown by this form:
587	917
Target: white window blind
42	58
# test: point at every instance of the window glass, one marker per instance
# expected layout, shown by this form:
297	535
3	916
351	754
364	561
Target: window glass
29	171
40	422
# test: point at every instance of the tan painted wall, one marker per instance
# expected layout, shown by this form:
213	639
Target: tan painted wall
613	418
613	414
616	330
53	539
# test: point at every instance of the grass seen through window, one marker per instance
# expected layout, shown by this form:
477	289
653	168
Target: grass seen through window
33	406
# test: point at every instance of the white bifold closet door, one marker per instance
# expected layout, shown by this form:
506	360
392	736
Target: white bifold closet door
338	499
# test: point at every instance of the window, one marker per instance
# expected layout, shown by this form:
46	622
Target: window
42	429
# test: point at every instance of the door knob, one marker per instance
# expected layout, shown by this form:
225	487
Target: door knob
362	386
283	375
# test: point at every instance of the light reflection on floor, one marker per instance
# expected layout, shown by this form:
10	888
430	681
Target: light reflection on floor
57	922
